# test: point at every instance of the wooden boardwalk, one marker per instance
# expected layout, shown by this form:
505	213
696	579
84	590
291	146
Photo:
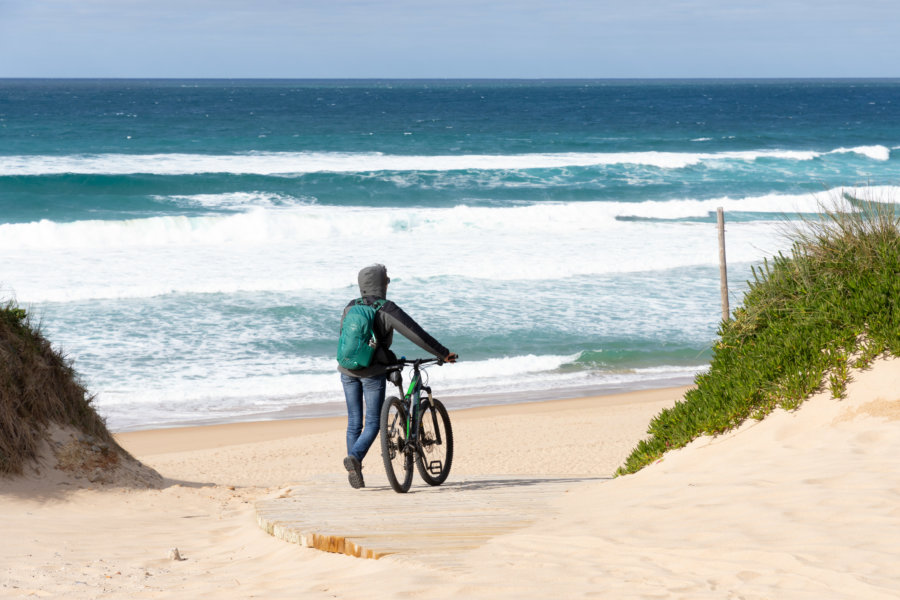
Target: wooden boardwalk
327	514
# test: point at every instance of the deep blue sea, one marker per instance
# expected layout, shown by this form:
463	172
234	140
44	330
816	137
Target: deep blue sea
190	244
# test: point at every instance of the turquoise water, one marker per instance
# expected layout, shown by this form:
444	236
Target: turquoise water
190	244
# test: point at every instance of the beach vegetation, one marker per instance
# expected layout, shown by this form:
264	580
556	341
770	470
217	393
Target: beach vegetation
39	387
806	319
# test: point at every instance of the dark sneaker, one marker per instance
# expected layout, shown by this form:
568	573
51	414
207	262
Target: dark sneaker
354	472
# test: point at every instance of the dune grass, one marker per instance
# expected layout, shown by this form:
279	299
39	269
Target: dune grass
38	386
834	303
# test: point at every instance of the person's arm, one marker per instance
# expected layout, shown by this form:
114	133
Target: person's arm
396	318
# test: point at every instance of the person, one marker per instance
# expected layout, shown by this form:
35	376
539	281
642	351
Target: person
370	382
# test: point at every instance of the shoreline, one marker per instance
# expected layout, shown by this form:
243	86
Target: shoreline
453	403
207	436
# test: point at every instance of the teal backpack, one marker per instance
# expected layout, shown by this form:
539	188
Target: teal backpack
356	344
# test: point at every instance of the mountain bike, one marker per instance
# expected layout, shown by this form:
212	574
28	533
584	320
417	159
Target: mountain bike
415	428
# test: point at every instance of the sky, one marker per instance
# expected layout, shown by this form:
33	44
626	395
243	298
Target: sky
449	38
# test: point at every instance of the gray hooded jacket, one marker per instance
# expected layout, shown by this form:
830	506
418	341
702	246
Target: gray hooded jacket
373	282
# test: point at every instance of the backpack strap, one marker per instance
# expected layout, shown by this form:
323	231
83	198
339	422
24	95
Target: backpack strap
377	306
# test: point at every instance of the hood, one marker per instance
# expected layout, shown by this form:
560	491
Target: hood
373	281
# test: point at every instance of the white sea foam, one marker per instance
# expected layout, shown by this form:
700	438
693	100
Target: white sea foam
294	163
874	152
279	383
308	223
306	247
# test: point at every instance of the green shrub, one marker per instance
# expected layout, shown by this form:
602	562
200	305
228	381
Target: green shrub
802	318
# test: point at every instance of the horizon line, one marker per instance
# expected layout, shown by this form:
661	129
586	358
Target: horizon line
252	78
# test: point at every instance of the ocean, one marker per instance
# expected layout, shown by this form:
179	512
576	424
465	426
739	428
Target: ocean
190	245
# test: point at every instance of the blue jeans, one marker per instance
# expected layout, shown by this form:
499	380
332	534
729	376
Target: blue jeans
360	438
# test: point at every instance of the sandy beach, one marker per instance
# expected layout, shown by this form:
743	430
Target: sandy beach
800	505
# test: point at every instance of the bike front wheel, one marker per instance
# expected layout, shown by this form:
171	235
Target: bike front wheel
435	444
395	451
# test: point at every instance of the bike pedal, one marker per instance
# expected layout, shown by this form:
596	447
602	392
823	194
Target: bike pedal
435	467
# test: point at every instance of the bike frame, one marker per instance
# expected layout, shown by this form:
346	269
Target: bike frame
413	400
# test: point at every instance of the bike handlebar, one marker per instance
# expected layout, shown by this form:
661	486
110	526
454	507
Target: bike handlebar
403	361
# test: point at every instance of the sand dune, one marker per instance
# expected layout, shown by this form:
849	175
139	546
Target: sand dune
801	505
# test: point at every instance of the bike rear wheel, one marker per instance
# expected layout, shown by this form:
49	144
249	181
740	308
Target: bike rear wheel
395	452
435	444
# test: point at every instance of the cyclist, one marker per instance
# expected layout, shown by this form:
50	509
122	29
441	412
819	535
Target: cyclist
370	382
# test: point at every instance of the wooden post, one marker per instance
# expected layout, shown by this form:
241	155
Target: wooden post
723	269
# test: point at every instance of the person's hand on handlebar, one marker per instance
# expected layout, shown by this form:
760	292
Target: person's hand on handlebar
451	358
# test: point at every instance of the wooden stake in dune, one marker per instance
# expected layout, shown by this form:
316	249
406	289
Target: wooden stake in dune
723	269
